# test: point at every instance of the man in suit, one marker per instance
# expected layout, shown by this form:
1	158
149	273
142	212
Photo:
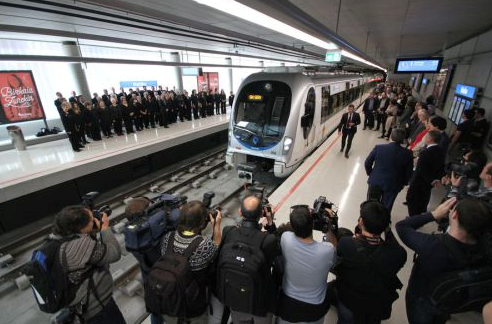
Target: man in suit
383	103
389	167
429	169
348	128
370	105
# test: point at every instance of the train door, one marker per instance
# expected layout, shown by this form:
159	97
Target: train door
307	120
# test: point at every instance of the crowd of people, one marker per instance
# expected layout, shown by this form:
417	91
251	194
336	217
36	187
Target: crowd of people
259	271
135	110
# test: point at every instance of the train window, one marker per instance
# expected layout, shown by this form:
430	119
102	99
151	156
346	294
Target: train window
325	104
309	108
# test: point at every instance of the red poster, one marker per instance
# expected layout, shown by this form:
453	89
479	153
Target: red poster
19	98
202	82
209	81
213	81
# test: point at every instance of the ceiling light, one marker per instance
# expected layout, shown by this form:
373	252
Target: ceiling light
360	59
244	12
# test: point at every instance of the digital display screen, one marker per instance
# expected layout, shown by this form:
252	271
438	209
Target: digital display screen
418	65
255	97
466	91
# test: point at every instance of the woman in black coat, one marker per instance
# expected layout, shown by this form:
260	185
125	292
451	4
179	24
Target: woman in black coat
128	115
69	124
194	104
104	119
92	122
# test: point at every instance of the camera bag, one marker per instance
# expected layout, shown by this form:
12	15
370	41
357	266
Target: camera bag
240	282
463	290
171	288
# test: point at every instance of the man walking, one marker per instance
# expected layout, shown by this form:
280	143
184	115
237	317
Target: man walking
348	128
389	167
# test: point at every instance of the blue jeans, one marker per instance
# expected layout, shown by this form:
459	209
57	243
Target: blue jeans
421	311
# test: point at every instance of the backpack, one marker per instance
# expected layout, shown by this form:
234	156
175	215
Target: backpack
171	288
48	276
467	289
240	282
146	232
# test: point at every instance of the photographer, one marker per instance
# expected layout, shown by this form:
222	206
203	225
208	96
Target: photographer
245	281
306	266
87	262
200	251
367	279
466	244
464	176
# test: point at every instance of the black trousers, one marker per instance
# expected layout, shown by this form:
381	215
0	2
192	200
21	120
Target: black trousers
74	139
110	314
222	107
217	107
347	137
381	119
418	197
369	119
118	126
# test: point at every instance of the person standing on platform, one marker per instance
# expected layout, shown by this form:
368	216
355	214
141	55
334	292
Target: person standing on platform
58	103
389	167
69	124
391	118
116	116
348	128
231	98
223	99
95	100
370	105
194	104
439	123
479	130
216	95
210	103
79	119
428	172
153	109
202	104
92	122
136	107
144	110
383	103
106	98
104	119
164	121
128	116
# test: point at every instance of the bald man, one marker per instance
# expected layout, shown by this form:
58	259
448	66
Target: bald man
260	311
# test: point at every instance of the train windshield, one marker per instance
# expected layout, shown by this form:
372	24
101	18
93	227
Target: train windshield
261	113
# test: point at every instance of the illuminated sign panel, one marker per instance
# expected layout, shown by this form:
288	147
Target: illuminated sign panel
466	91
255	97
333	56
418	65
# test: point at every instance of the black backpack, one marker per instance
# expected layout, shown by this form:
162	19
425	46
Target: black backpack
48	276
241	265
467	289
171	288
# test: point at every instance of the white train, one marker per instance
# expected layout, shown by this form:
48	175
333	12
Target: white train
279	118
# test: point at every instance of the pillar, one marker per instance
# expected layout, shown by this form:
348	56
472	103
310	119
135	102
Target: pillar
229	75
72	49
262	64
177	71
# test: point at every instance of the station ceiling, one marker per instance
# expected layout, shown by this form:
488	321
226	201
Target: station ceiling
378	30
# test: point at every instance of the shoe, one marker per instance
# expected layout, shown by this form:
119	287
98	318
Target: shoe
166	126
341	150
364	128
382	136
346	155
76	150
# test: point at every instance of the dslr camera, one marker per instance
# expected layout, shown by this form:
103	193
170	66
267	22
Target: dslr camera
89	200
323	220
207	201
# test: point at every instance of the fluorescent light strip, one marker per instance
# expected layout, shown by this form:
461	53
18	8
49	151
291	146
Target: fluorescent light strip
360	59
244	12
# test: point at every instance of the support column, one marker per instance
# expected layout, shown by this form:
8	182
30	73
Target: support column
178	74
71	48
262	64
229	75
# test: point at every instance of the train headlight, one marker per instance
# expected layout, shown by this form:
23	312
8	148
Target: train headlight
287	143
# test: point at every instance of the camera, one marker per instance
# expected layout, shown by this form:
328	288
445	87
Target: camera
207	201
323	221
89	200
260	193
461	169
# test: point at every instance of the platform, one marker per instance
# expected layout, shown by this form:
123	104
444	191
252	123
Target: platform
52	170
344	182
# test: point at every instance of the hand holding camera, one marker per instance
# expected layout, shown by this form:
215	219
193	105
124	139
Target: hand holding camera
442	211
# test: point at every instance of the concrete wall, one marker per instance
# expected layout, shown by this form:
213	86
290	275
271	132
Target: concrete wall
473	59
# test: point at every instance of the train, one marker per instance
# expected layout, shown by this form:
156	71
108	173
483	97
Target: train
279	118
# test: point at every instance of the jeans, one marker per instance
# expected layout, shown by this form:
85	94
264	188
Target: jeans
110	314
421	311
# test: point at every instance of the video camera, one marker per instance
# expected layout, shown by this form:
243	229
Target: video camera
89	200
323	220
462	169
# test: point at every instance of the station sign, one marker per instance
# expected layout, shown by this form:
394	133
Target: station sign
333	56
466	91
134	84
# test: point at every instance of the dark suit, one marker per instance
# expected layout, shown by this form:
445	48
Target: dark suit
430	167
348	131
381	114
369	110
389	167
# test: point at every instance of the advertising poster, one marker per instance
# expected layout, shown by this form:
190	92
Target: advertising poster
208	81
202	82
19	98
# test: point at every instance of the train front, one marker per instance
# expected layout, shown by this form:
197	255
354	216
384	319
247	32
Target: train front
257	130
